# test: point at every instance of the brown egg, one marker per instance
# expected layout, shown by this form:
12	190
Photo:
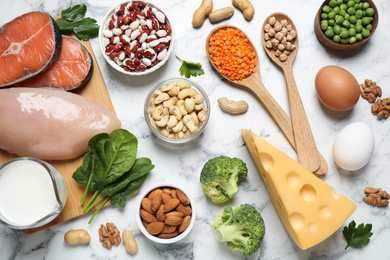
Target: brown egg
337	88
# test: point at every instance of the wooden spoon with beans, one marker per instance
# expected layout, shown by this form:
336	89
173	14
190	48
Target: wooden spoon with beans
306	148
254	83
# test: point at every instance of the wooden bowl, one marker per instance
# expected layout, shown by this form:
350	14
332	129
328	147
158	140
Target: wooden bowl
329	43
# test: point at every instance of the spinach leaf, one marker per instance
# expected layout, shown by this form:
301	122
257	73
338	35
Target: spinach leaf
116	156
85	32
74	13
138	174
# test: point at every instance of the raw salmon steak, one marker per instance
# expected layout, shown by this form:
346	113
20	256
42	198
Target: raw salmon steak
50	124
28	45
72	69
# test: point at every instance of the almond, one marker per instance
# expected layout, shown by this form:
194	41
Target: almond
165	197
171	204
174	214
146	204
173	194
170	235
147	216
168	229
186	210
167	191
182	197
154	193
155	228
185	224
160	216
156	202
173	221
145	223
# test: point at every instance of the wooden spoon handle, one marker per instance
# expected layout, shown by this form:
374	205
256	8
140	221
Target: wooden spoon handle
279	115
305	145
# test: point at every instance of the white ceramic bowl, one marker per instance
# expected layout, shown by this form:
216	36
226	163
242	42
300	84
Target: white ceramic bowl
113	63
155	238
206	104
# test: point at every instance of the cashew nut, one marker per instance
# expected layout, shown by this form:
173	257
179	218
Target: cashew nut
161	98
182	109
195	118
163	121
183	85
172	121
153	123
185	93
189	104
151	105
199	99
174	110
178	127
189	123
233	107
170	102
202	115
174	91
157	113
180	135
168	87
164	132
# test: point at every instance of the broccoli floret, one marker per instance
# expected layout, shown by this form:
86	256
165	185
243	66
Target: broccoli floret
220	175
241	228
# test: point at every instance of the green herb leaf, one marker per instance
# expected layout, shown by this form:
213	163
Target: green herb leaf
74	13
189	68
73	21
357	236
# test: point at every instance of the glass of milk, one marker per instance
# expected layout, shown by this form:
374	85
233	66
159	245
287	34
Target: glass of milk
32	193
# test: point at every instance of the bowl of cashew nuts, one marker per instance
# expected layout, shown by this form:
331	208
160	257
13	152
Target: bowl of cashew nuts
177	110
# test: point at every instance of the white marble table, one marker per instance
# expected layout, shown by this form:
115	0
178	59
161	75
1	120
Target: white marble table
222	137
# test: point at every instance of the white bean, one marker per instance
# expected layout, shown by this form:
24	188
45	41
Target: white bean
108	33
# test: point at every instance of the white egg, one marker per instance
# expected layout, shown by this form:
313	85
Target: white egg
354	146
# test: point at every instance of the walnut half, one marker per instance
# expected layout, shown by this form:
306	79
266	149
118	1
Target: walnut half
110	235
376	197
370	91
381	108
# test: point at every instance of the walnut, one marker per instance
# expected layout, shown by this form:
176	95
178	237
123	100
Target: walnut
381	108
376	197
370	91
110	235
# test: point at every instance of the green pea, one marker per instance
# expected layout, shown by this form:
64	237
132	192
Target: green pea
339	2
347	17
352	40
352	32
369	27
336	38
337	29
370	12
327	9
324	16
332	3
350	3
359	14
343	7
353	19
357	6
342	12
346	24
331	22
365	5
324	25
339	20
359	37
345	41
359	28
365	33
336	9
331	14
329	32
344	34
365	21
356	1
351	11
359	21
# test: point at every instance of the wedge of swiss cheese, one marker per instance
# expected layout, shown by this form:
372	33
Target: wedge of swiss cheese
309	208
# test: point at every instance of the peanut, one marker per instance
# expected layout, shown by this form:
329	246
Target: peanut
129	241
233	107
221	14
202	12
246	7
77	236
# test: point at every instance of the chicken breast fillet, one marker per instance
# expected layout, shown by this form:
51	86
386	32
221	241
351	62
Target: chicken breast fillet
50	124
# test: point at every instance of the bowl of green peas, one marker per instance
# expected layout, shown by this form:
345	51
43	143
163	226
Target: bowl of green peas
345	24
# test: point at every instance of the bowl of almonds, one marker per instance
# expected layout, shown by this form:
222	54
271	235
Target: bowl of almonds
177	110
165	213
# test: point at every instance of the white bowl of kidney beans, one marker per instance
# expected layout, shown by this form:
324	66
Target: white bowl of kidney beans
136	38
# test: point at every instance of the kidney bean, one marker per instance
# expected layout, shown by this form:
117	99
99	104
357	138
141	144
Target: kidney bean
161	33
140	68
126	19
118	47
145	29
120	10
130	6
142	5
148	12
134	45
159	48
133	16
137	61
127	49
112	24
119	21
142	37
155	23
139	53
109	48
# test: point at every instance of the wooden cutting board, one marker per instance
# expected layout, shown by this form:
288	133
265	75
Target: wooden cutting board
96	90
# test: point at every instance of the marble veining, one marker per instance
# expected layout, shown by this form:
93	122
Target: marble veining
182	165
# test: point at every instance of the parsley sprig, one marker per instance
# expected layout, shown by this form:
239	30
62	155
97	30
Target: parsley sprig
73	20
189	68
357	236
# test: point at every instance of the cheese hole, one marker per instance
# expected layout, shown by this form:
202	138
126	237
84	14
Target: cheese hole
308	193
335	195
293	179
325	211
312	227
267	161
297	221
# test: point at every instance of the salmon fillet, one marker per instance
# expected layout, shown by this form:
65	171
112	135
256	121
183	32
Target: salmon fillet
72	69
28	45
